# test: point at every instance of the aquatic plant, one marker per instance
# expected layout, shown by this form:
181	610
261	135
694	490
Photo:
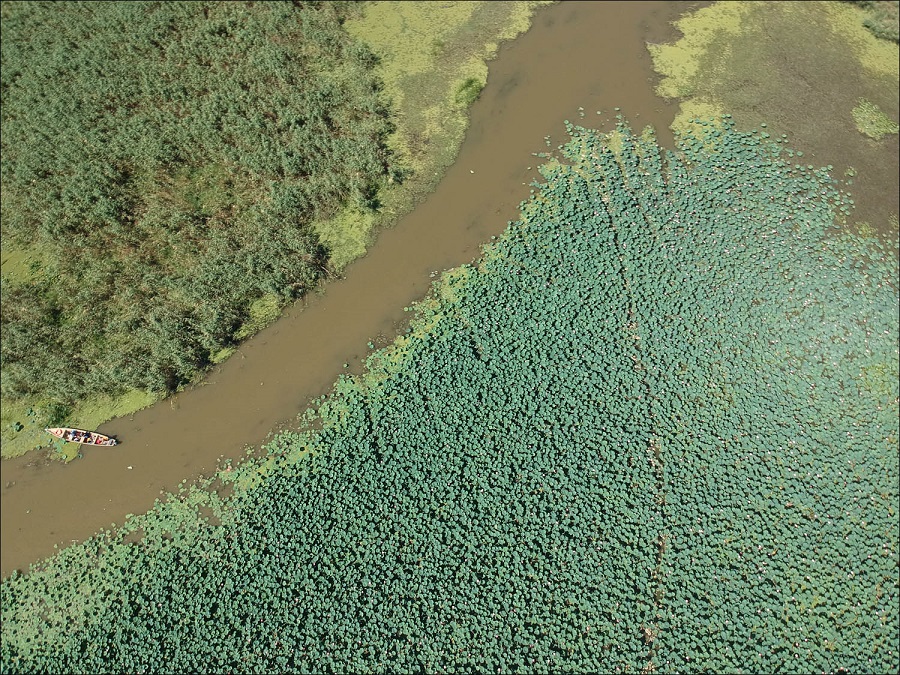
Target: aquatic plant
654	428
871	120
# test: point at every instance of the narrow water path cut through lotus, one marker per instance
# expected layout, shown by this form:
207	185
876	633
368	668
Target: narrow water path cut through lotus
577	59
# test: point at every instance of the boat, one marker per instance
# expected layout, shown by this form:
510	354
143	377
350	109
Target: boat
81	436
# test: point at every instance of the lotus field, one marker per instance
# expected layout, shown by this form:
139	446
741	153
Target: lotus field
655	427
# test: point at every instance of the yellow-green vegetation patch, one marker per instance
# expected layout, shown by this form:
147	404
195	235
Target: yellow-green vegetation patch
24	420
263	311
680	63
696	109
18	265
880	380
346	236
222	355
22	427
879	56
452	281
424	29
433	63
872	122
685	64
865	230
798	69
98	409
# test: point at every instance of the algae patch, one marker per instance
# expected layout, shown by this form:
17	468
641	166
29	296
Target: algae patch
682	63
23	421
346	236
872	122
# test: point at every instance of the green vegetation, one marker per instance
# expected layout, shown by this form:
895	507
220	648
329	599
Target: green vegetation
656	428
468	91
872	122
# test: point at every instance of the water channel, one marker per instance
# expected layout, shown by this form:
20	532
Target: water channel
589	55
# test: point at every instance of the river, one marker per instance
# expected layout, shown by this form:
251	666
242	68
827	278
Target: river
588	55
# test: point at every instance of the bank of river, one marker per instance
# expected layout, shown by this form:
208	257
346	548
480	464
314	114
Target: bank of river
577	58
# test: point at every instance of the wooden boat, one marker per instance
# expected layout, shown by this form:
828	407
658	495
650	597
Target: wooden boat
81	436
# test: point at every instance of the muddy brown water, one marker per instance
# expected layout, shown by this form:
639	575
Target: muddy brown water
584	54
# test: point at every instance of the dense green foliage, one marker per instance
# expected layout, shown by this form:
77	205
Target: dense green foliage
656	428
168	158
